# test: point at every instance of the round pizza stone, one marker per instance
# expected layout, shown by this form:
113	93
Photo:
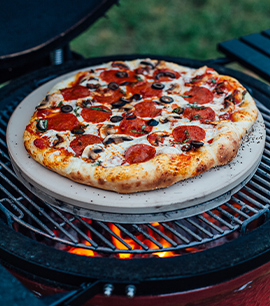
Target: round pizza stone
183	199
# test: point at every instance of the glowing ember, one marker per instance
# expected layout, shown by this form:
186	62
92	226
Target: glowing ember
82	251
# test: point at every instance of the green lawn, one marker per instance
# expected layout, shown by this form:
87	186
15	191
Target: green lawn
185	28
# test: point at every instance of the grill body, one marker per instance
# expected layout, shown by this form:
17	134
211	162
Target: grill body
243	290
222	275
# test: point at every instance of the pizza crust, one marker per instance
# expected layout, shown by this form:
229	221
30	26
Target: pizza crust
159	172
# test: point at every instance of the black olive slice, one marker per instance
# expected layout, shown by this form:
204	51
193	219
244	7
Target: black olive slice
148	64
118	104
186	147
66	108
152	122
42	125
124	83
196	143
166	99
116	64
116	119
169	74
158	86
159	74
131	118
121	74
77	131
113	86
136	97
165	74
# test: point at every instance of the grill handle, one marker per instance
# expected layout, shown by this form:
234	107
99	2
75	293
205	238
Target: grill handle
74	297
245	224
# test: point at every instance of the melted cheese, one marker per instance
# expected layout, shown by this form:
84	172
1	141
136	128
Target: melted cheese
113	154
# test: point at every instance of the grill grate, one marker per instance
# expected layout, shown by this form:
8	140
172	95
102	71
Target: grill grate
26	213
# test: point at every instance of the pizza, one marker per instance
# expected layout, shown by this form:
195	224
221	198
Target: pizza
130	126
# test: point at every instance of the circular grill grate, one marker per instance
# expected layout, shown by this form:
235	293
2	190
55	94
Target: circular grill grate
23	211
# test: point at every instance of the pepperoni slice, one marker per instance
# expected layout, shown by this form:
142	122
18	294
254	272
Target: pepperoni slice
80	142
147	109
145	89
75	92
165	75
40	143
135	127
96	114
200	95
118	76
199	113
106	95
62	122
139	153
186	133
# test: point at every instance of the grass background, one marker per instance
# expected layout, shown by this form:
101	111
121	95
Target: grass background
185	28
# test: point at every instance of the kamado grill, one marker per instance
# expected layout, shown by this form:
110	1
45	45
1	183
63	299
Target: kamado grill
215	252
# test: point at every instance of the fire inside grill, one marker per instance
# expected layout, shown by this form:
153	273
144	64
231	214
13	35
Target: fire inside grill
245	211
174	238
24	212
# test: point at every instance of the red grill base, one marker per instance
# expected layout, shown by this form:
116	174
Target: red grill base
249	289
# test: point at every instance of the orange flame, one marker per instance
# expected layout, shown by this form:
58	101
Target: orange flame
82	251
144	240
125	244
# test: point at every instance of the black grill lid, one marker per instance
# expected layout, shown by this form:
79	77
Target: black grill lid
29	29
